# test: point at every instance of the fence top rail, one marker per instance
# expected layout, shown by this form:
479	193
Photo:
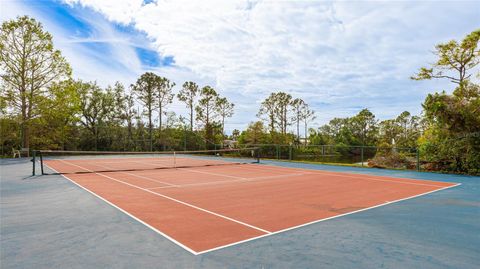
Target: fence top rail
138	152
339	146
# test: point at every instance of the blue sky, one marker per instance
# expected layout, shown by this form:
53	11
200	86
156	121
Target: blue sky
339	56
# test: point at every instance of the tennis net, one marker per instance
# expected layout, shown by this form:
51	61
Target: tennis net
75	162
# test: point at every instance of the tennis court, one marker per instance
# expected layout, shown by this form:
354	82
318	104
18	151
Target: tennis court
205	202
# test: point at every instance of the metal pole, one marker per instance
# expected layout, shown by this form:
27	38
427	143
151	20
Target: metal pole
290	152
33	160
418	159
362	156
41	162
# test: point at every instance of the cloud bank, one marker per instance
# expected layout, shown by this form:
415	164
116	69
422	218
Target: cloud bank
338	56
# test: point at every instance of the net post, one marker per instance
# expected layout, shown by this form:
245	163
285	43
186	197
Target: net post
41	162
174	159
33	161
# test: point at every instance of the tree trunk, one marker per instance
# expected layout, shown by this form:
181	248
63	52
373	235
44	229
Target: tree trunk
130	135
26	136
160	128
150	126
223	127
25	133
306	129
298	126
96	137
207	127
160	119
23	124
191	117
272	124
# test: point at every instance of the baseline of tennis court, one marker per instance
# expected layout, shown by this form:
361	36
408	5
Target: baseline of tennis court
207	208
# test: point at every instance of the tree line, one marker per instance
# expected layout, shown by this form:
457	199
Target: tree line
42	106
364	130
446	134
53	110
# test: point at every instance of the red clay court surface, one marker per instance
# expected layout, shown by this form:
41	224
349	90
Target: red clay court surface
207	208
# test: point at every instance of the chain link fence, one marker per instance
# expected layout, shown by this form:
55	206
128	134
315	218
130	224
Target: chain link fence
361	156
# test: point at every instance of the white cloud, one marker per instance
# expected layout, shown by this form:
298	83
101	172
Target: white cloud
118	10
11	9
338	56
118	60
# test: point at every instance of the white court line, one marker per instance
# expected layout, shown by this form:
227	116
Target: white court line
130	215
229	181
163	164
342	174
265	235
320	220
187	204
178	201
123	172
139	176
163	187
237	179
230	176
350	175
71	164
154	163
151	179
110	161
212	174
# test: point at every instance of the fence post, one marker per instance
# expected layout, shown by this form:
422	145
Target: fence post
361	154
184	138
278	151
418	159
290	152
